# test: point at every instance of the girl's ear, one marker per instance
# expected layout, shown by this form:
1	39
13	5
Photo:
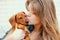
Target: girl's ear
12	20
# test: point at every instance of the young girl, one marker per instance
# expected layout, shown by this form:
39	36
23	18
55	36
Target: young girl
43	15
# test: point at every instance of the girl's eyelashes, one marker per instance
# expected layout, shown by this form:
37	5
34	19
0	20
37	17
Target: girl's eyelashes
27	15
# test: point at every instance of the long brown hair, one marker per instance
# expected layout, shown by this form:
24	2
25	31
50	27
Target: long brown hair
46	11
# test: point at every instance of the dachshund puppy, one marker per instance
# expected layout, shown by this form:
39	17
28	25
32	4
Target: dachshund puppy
19	21
22	23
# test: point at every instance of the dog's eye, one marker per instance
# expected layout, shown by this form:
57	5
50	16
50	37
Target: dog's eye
20	18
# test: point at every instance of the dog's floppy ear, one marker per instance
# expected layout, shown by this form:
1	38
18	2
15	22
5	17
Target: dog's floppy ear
12	20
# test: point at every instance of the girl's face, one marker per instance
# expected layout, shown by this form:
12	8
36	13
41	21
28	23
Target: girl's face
33	19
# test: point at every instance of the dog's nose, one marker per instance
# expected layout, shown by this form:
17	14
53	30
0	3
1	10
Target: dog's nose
27	22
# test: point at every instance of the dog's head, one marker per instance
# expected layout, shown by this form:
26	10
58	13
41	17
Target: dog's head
21	18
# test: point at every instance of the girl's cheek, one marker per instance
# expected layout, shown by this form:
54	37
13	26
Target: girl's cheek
33	19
